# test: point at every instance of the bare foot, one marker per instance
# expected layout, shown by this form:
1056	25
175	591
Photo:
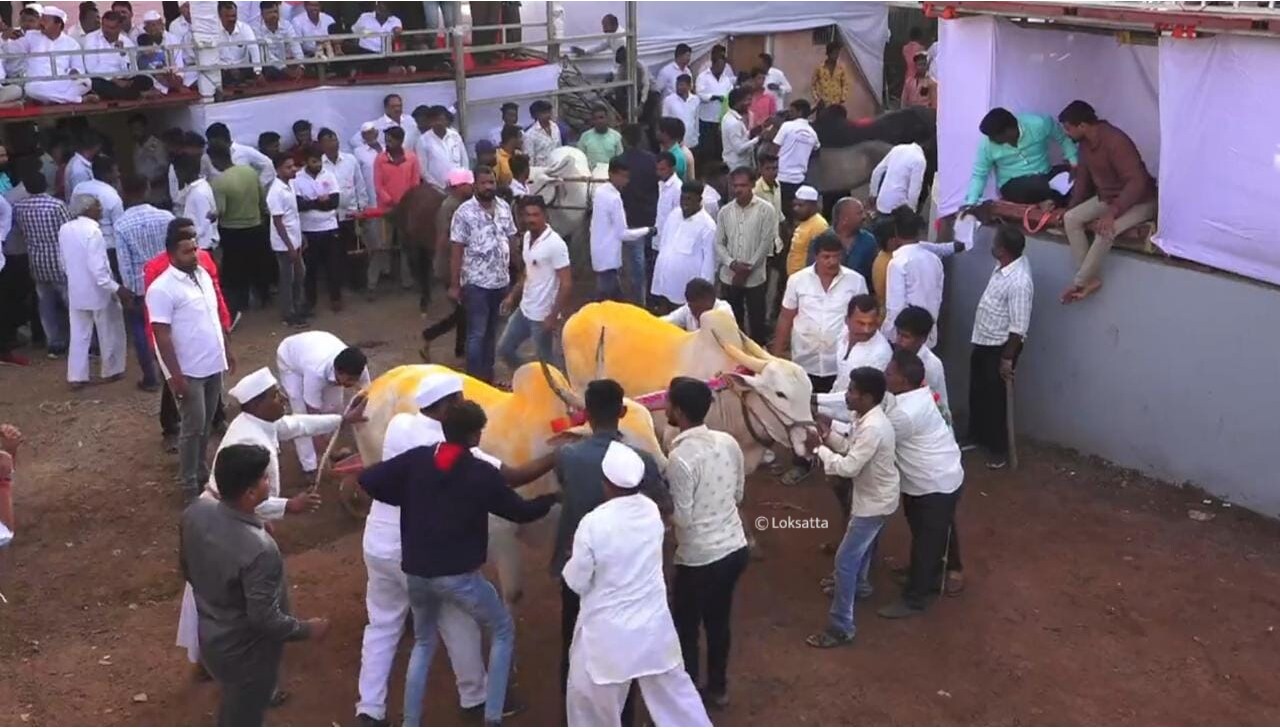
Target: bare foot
1089	289
1072	294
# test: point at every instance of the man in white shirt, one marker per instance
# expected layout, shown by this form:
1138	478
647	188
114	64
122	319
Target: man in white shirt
318	197
915	274
542	136
616	569
914	325
929	462
181	25
609	233
667	77
313	23
540	297
286	242
683	105
739	142
689	247
898	179
867	459
196	201
608	26
669	186
262	421
112	57
193	353
713	86
80	167
281	44
93	296
392	115
797	141
106	176
705	473
700	297
315	367
351	189
240	154
861	345
51	38
440	148
237	47
377	27
510	112
775	81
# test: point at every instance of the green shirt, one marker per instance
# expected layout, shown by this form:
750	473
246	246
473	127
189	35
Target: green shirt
238	192
600	148
1029	157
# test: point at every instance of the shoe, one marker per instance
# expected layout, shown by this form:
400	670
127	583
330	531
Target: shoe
715	699
363	719
997	463
899	610
146	386
954	584
278	698
13	359
55	354
235	321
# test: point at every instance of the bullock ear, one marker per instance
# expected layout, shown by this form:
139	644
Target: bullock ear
745	381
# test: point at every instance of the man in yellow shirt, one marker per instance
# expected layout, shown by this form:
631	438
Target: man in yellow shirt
809	224
512	144
829	85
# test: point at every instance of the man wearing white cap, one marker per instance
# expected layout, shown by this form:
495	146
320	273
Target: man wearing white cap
175	60
52	39
262	421
809	223
315	366
616	568
387	594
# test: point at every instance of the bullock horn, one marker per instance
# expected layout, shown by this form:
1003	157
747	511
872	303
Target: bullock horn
754	363
570	399
600	355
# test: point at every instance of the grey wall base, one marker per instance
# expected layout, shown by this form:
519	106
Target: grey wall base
1170	371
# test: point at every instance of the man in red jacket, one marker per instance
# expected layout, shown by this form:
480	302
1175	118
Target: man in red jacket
169	418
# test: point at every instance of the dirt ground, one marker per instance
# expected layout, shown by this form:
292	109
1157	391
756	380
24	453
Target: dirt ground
1093	598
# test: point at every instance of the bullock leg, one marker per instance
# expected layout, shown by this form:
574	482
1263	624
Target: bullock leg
504	551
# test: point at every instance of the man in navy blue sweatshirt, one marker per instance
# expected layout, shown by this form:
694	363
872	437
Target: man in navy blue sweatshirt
445	495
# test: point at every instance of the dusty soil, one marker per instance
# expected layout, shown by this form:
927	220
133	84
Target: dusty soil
1092	599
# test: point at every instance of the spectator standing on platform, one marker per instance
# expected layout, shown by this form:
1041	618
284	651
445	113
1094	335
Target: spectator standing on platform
671	73
71	86
108	61
482	234
775	81
318	197
245	259
829	84
614	245
237	47
38	218
378	27
683	105
746	234
93	297
542	136
999	328
313	23
797	141
140	236
600	143
280	45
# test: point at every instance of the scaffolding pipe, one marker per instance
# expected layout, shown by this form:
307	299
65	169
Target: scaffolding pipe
633	97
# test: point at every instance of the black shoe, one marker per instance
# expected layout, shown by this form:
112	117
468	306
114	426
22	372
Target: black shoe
362	719
899	610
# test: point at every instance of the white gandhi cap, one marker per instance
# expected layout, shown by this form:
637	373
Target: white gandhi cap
622	466
58	13
807	194
435	387
151	16
252	385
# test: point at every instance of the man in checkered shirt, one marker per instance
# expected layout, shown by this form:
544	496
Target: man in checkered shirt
39	217
140	236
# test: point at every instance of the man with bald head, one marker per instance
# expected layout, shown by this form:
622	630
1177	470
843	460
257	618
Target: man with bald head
93	296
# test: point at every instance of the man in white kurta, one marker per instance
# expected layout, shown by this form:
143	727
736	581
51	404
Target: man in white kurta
688	246
93	296
262	421
861	345
624	630
387	593
51	39
314	378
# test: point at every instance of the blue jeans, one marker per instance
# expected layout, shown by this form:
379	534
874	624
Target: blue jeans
608	285
519	330
853	564
481	306
54	315
137	323
472	593
633	266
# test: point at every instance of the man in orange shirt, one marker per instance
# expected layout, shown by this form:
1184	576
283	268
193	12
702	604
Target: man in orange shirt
395	171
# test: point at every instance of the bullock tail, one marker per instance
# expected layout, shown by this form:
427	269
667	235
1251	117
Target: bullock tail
328	451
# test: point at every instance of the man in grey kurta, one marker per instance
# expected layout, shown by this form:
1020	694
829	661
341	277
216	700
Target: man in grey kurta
242	596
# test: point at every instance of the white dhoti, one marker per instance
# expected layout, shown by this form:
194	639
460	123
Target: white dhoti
387	600
189	625
70	91
291	383
670	696
109	323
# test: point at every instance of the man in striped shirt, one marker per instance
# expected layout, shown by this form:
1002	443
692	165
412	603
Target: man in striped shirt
999	328
140	235
38	218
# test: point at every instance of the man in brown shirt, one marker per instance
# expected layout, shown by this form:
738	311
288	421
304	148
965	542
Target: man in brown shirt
1112	189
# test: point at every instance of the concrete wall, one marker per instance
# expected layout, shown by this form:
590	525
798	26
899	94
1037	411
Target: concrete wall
1171	371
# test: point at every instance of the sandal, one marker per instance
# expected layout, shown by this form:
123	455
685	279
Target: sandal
828	580
827	639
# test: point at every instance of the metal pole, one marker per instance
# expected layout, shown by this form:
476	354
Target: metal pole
459	78
633	98
553	49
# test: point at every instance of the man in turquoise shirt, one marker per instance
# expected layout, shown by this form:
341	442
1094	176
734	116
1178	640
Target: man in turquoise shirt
1018	148
600	143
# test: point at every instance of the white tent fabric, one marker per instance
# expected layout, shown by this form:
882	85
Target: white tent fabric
1220	192
864	26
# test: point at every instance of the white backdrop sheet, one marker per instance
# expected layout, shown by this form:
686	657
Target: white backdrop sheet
1220	193
987	62
864	26
345	108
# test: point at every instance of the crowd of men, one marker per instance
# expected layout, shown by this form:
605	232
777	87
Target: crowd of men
176	253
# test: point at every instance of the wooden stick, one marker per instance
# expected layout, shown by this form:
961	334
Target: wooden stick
328	450
1009	424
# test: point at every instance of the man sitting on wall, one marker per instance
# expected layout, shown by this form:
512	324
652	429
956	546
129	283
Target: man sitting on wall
1017	148
1113	190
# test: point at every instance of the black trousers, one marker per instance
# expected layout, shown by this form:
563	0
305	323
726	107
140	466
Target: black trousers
702	596
1033	188
987	401
456	322
244	260
421	264
710	146
17	294
570	604
171	418
930	518
323	253
357	263
749	308
108	90
788	200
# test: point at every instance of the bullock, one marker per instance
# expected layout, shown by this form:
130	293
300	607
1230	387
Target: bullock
564	185
767	399
520	424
